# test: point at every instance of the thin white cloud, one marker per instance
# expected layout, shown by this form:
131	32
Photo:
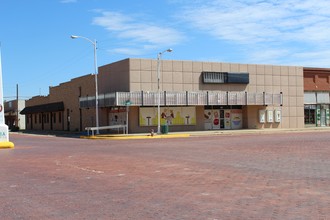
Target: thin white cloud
320	58
277	28
68	1
268	55
143	34
243	21
127	51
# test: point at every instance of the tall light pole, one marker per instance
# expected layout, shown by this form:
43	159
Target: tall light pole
96	84
159	57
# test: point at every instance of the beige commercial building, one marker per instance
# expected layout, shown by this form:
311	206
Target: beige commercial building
193	96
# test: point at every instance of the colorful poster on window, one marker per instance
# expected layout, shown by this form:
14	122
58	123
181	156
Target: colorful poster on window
236	119
227	119
168	115
117	116
208	119
216	119
212	119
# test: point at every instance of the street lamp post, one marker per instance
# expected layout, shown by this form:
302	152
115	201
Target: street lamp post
96	84
159	56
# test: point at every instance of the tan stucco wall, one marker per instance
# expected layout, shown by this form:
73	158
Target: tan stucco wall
276	79
114	77
186	76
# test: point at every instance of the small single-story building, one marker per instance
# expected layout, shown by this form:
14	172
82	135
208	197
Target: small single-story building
13	118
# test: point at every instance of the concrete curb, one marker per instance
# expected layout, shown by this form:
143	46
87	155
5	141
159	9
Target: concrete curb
140	136
202	133
6	145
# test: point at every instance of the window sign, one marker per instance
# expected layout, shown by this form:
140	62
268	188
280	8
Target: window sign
117	116
216	119
270	116
277	115
208	119
236	119
227	119
262	116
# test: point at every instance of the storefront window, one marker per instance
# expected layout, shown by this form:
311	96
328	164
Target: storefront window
223	117
310	114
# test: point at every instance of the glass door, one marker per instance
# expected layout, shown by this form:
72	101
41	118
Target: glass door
323	117
222	119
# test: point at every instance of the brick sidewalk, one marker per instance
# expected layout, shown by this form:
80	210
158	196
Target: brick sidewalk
254	176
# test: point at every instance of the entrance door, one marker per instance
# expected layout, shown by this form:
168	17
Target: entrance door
51	120
218	119
68	119
214	119
323	117
222	119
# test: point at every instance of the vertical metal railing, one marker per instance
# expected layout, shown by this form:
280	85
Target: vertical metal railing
169	98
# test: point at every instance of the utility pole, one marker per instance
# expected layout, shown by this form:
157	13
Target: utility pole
16	119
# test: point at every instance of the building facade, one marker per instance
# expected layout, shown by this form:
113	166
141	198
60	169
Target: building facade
198	96
193	96
60	109
317	96
13	118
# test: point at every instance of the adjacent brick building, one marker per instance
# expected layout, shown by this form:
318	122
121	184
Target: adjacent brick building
317	96
60	109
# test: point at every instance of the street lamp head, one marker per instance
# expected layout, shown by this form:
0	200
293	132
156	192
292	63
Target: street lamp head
168	50
74	36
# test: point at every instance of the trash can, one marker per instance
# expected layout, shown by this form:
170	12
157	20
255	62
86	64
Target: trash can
164	129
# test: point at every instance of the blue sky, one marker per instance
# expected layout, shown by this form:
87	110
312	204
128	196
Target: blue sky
37	51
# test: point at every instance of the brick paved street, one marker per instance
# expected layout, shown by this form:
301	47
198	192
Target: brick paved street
243	176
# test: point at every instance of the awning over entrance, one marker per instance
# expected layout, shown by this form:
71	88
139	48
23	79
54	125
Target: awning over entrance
316	98
51	107
169	98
